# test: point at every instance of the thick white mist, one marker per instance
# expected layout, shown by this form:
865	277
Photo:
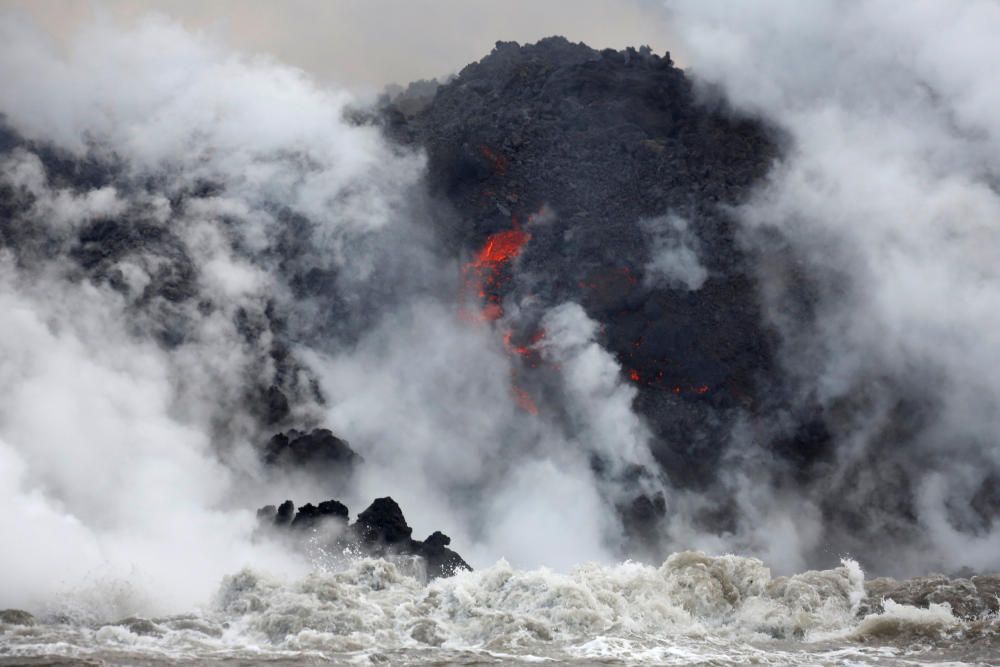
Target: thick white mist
100	481
129	466
427	398
115	471
888	190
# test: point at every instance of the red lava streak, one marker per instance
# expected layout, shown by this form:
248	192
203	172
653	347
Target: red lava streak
484	275
526	349
485	272
502	246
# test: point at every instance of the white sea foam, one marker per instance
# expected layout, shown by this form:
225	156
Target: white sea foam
693	609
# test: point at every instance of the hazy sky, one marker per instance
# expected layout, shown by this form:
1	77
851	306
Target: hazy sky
368	43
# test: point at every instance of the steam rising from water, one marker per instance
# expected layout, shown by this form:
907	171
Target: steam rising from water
888	194
136	461
726	610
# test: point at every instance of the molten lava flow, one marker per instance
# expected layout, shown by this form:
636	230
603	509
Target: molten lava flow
484	274
634	374
503	246
528	348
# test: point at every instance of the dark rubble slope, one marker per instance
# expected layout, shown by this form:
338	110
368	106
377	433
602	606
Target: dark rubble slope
606	140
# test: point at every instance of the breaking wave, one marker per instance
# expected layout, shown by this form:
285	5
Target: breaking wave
693	608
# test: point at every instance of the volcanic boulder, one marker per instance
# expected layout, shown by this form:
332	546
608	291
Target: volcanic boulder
319	450
380	530
382	525
309	515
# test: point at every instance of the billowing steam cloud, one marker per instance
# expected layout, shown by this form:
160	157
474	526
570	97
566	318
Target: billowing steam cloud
888	195
124	458
186	229
173	206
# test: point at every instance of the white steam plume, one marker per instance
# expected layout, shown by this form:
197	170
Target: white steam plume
122	459
888	192
127	458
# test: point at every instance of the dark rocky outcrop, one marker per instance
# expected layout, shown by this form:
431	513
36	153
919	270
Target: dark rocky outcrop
382	525
640	519
617	147
309	515
441	561
380	530
318	450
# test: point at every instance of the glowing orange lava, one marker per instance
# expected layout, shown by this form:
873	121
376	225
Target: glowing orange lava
484	274
526	349
503	246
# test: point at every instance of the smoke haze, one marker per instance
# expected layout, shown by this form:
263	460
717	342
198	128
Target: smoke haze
238	175
888	195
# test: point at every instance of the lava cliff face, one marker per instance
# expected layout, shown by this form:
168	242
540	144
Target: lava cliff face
598	162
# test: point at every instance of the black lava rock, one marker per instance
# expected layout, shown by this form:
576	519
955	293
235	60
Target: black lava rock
318	448
441	561
383	523
380	530
277	405
310	515
285	512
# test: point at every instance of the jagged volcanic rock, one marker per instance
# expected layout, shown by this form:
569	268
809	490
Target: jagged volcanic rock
382	524
319	449
310	515
380	530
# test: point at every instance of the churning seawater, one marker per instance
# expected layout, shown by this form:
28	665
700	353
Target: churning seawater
692	610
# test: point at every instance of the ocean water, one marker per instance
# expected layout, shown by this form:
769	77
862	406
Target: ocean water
692	610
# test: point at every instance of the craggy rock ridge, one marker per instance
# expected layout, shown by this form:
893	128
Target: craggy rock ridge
381	530
319	449
611	161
